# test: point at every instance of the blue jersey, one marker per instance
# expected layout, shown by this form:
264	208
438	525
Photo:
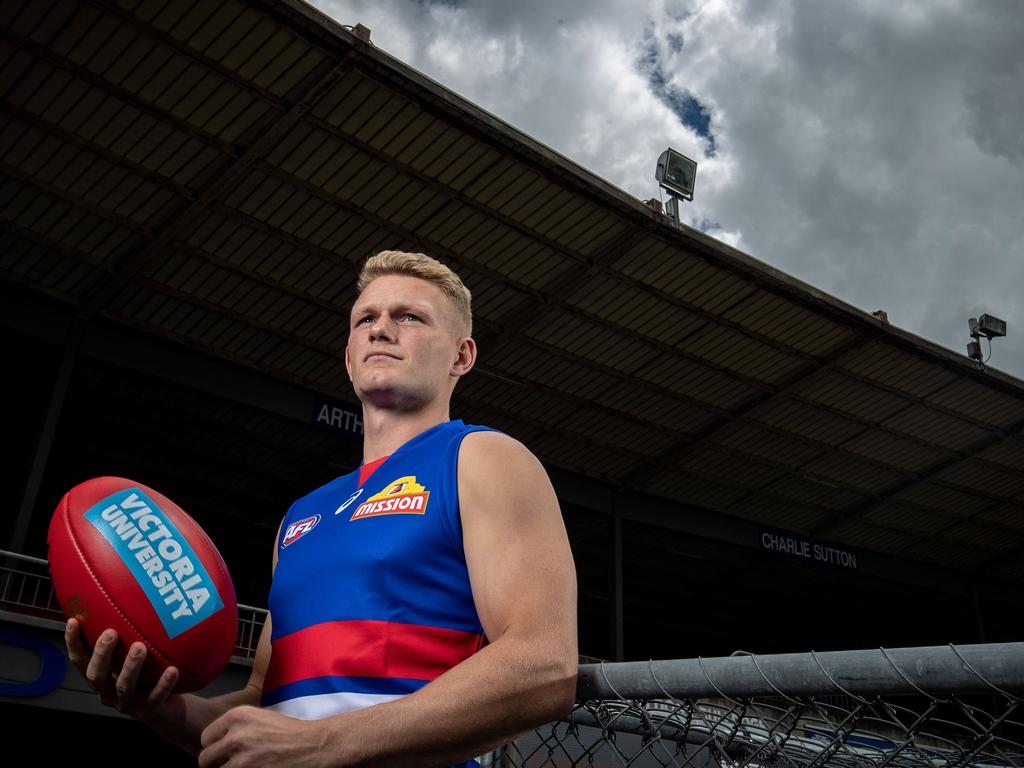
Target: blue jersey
371	597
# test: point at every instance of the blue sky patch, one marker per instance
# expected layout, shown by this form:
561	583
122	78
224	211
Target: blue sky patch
683	104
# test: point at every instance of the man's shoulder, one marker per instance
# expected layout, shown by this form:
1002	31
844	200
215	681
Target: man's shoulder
486	442
459	427
473	439
489	456
502	483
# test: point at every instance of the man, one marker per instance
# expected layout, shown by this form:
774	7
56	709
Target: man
496	666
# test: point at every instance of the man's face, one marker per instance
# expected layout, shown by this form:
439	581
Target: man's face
402	343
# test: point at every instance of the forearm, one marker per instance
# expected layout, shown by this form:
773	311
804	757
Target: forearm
185	716
501	691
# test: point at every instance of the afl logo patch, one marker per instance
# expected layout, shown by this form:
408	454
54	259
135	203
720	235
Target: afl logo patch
298	529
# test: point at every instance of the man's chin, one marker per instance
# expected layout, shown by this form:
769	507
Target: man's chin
390	398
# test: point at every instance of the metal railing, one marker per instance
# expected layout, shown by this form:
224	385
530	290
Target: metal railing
25	587
27	590
934	707
250	623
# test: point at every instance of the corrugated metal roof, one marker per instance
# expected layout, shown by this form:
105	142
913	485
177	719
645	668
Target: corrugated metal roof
214	175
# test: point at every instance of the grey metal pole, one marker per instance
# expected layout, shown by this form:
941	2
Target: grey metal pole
46	435
617	623
976	605
933	669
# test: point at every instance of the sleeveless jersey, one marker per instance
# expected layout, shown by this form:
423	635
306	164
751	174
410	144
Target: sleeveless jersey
371	597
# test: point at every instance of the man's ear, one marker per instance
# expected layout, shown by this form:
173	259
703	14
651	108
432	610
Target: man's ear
348	363
466	357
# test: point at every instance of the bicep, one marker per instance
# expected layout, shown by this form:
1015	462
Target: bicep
517	551
262	661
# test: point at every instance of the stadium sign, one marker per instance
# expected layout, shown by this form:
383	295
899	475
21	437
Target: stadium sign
795	545
337	417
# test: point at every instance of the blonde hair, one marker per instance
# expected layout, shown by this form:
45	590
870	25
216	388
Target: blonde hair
426	268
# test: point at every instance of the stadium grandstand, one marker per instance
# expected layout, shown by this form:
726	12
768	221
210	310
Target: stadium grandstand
744	463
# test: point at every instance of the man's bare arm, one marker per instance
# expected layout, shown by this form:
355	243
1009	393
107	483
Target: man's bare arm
524	586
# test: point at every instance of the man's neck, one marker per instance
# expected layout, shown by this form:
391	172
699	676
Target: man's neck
385	431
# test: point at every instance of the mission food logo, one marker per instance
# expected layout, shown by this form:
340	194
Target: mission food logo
159	557
404	496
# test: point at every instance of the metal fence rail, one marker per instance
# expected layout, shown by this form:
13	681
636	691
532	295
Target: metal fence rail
935	707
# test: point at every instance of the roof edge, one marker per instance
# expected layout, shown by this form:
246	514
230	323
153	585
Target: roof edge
596	187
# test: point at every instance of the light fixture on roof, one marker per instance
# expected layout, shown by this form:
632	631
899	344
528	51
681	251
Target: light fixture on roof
677	175
986	325
361	32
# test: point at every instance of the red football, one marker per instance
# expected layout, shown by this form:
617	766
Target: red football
125	556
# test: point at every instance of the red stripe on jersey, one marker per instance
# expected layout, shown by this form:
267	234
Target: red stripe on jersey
368	469
368	649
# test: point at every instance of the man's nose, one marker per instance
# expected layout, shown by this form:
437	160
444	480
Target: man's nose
382	328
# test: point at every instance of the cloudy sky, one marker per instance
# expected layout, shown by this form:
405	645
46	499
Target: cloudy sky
872	148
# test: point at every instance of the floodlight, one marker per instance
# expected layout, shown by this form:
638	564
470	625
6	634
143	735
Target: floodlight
676	173
974	351
991	327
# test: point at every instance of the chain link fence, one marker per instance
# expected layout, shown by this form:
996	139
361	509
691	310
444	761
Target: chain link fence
936	707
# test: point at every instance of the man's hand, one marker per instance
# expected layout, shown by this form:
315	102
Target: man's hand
180	718
249	736
119	689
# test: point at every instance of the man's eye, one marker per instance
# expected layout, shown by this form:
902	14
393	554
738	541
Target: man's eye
410	316
365	320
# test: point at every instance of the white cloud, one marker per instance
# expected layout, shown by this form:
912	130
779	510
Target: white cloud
873	149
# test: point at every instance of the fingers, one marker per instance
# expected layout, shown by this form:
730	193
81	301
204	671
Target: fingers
128	679
164	687
78	654
94	666
97	672
212	753
214	731
218	748
212	757
118	688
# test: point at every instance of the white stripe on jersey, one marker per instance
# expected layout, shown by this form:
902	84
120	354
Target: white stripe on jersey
324	705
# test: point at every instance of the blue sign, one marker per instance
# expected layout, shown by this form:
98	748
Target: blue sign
159	557
54	664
